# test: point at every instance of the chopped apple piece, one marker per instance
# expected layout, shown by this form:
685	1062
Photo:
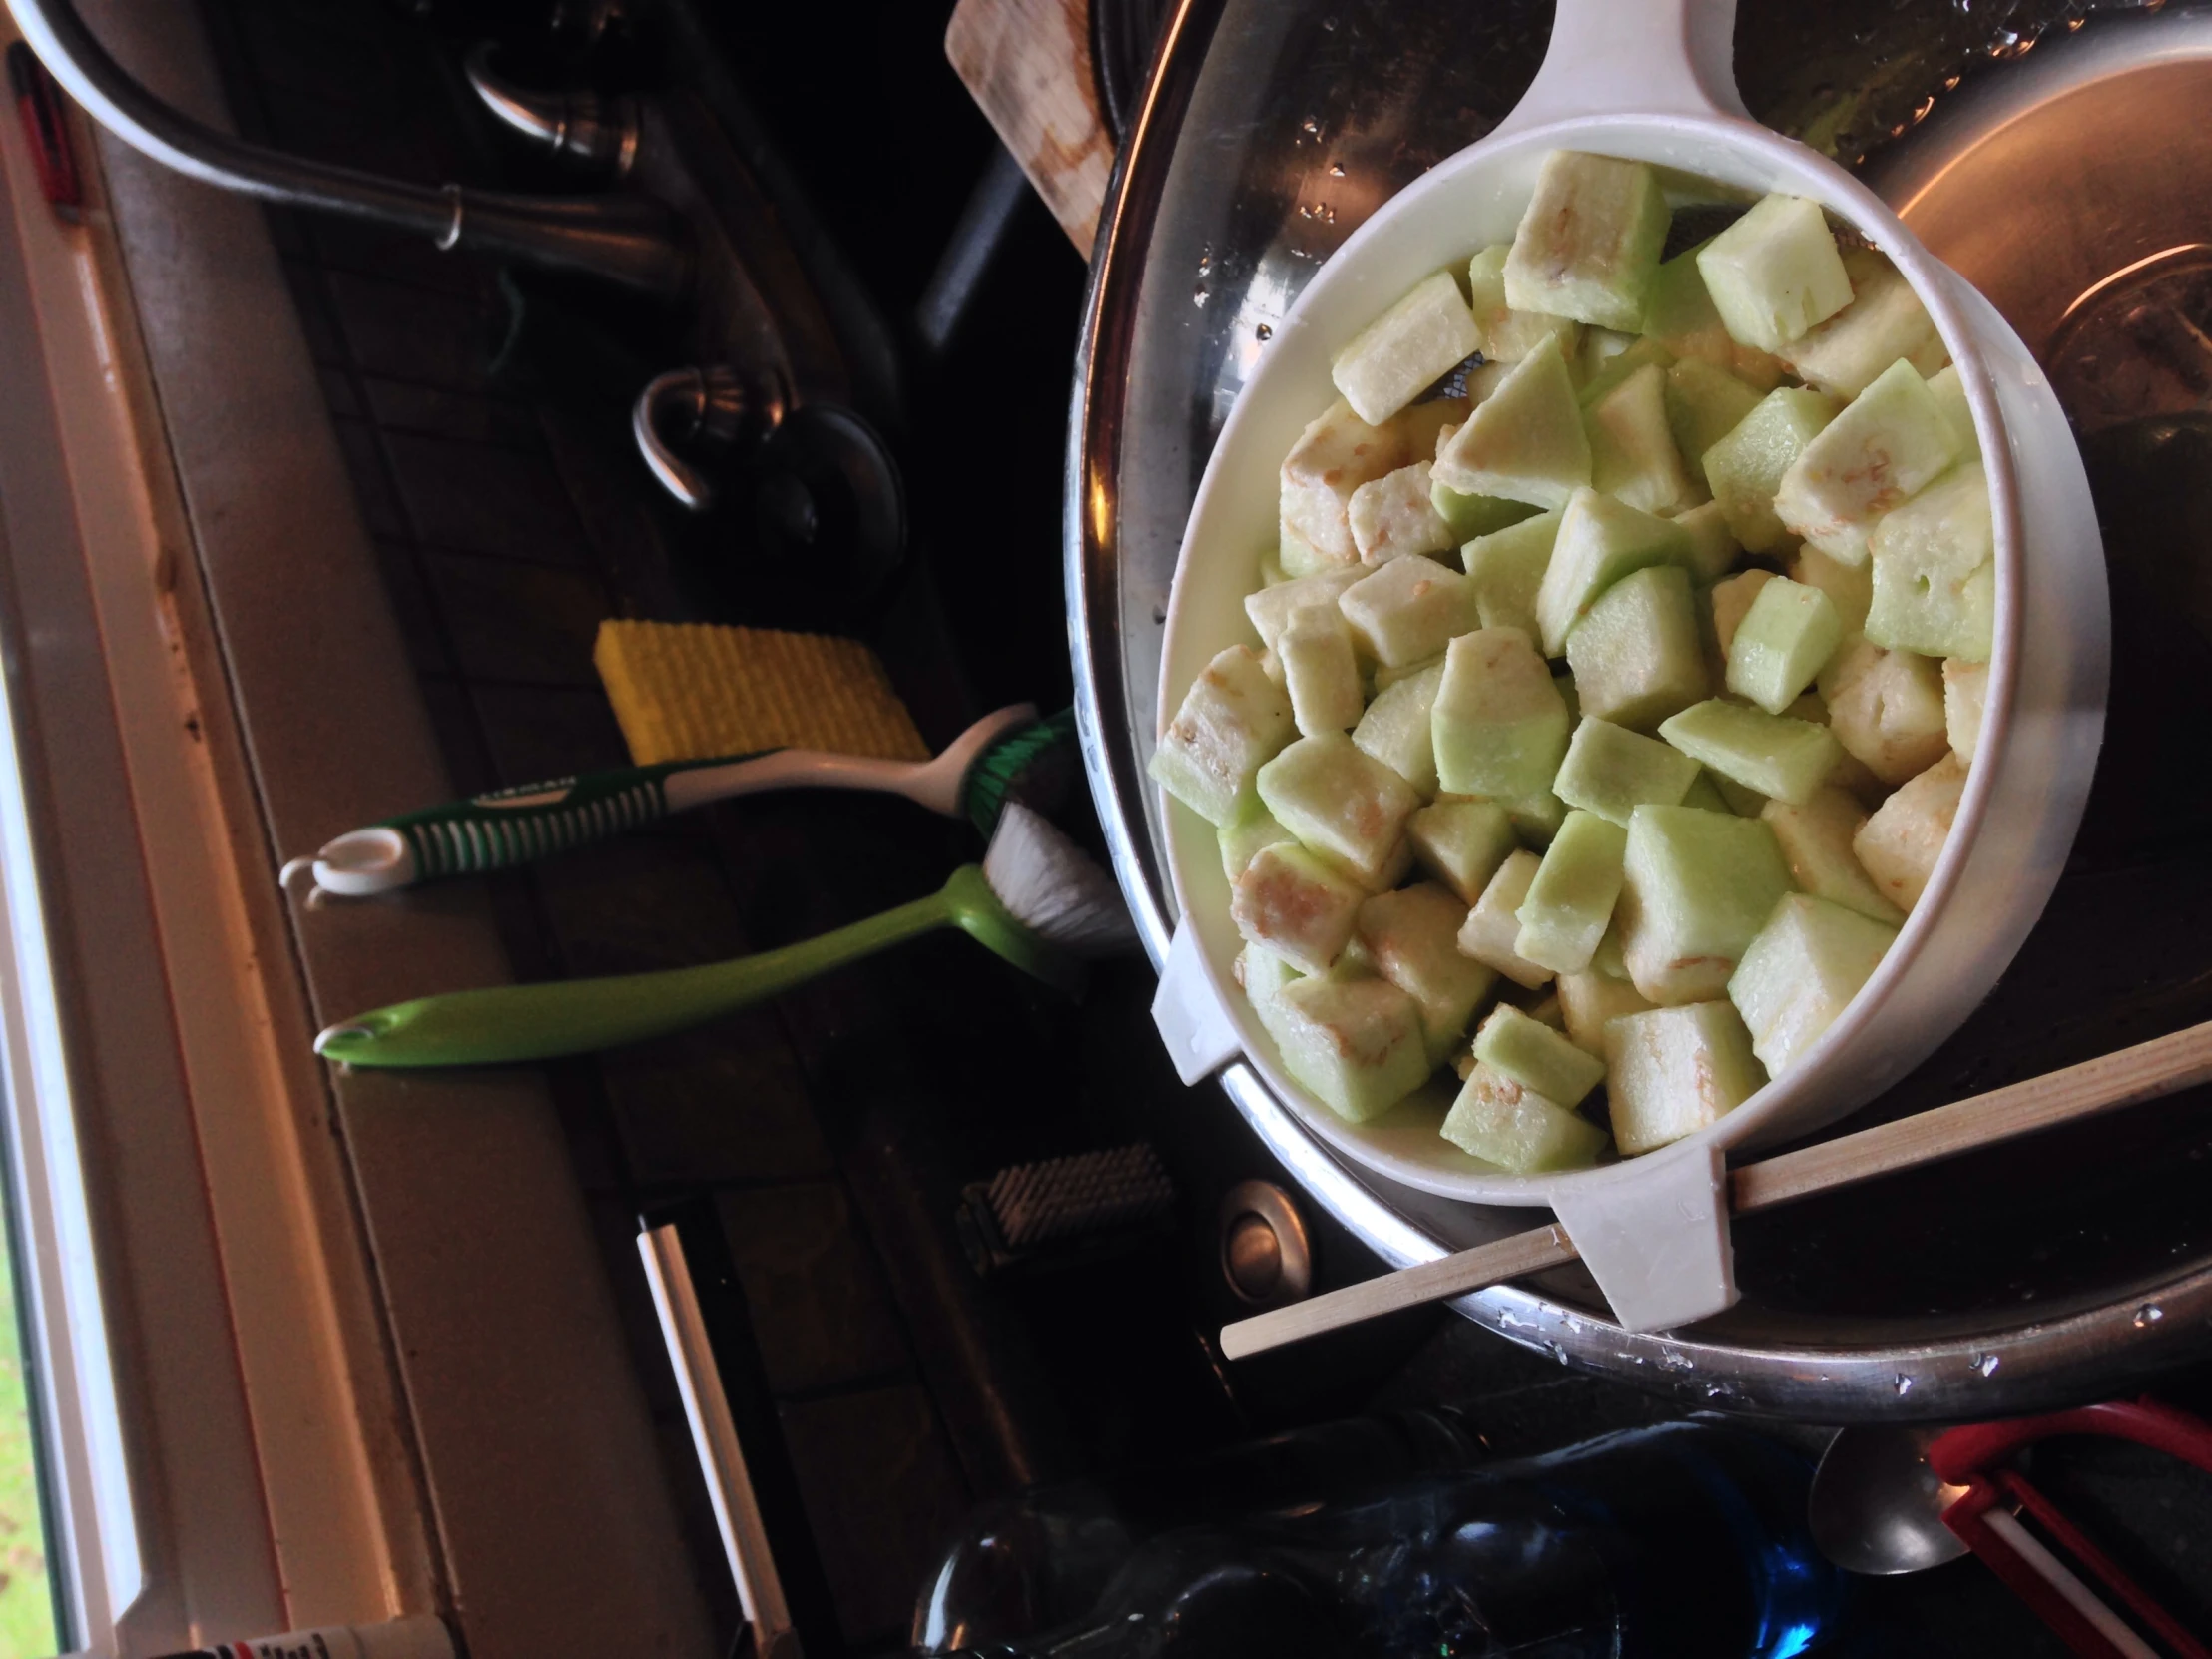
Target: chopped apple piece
1462	844
1231	720
1536	1056
1332	457
1950	397
1295	906
1779	757
1675	1071
1342	803
1966	692
1902	842
1849	588
1526	440
1411	936
1589	1000
1699	886
1589	241
1704	405
1747	467
1272	608
1502	1123
1570	903
1633	457
1396	729
1775	273
1885	707
1600	541
1500	725
1886	445
1408	610
1713	545
1883	323
1395	514
1801	972
1241	840
1611	771
1935	570
1731	600
1506	568
1509	335
1356	1043
1816	842
1319	670
1406	349
1636	656
1784	639
1494	924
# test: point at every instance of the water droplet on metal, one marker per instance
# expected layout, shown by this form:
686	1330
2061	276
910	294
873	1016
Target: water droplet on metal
1310	127
1200	294
1902	1384
1263	331
1558	1351
1673	1359
1988	1363
1335	169
2148	1315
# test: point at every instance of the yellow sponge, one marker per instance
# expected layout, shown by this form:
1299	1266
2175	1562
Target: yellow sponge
684	690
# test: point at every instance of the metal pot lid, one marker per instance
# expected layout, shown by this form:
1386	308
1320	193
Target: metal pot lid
2036	1274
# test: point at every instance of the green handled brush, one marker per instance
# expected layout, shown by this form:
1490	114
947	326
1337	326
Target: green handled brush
1008	755
1035	899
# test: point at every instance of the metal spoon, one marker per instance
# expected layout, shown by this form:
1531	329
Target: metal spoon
1876	1507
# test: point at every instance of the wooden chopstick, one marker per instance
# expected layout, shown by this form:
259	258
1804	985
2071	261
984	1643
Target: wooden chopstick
2147	1071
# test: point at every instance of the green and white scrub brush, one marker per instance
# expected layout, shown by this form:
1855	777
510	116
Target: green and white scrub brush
1035	899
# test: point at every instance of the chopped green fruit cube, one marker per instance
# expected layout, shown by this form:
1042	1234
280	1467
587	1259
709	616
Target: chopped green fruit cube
1599	348
1411	937
1902	842
1611	959
1775	273
1395	514
1784	639
1950	397
1506	568
1886	445
1601	377
1849	588
1356	1043
1883	321
1773	754
1263	972
1526	440
1241	840
1406	349
1887	709
1675	1071
1272	608
1385	676
1706	795
1637	657
1319	670
1296	906
1815	843
1704	405
1494	924
1570	903
1746	467
1589	240
1232	719
1536	1056
1632	452
1600	541
1536	818
1713	545
1500	725
1396	729
1509	335
1935	570
1588	999
1801	972
1408	610
1342	803
1966	693
1462	844
1699	887
1333	456
1471	516
1502	1123
1732	601
1679	313
1611	771
1744	803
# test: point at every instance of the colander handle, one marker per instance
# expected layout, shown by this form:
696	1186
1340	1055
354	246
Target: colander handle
1641	57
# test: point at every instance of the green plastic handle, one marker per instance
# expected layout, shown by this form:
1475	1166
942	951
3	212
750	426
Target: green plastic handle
511	1023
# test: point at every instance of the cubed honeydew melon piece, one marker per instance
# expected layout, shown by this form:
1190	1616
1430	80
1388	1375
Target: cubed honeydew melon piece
1731	601
1262	973
1935	570
1849	588
1816	842
1611	959
1287	901
1396	729
1395	514
1950	393
1599	348
1611	771
1632	452
1356	1044
1492	926
1965	694
1509	335
1848	773
1421	426
1706	795
1589	240
1272	608
1900	843
1600	541
1603	376
1468	517
1588	999
1746	469
1637	657
1231	720
1408	610
1679	313
1781	757
1801	972
1712	547
1775	273
1502	1123
1525	441
1887	709
1500	725
1536	818
1675	1071
1241	840
1883	323
1889	442
1341	802
1411	939
1506	568
1704	404
1698	886
1406	349
1333	456
1462	844
1536	1056
1388	674
1786	637
1570	903
1319	670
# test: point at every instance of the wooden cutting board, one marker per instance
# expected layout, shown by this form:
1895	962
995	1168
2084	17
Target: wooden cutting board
1028	64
